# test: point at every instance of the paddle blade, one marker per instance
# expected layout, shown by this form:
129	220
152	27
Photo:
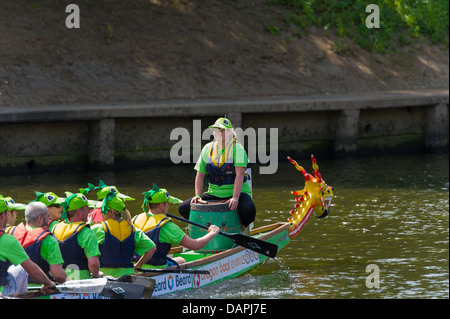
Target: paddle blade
122	290
84	286
148	283
257	245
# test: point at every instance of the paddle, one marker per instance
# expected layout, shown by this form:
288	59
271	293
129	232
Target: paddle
85	286
148	283
125	287
176	271
257	245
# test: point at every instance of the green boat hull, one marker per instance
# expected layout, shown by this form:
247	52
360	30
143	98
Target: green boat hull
221	266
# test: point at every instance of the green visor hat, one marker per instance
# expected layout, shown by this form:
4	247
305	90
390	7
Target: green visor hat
11	204
222	123
104	190
49	198
73	202
112	200
158	195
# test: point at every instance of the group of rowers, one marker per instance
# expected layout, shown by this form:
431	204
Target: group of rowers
99	238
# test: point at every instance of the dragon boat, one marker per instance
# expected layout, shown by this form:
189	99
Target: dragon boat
215	264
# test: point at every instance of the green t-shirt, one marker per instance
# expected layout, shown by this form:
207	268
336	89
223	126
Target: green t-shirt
240	159
142	245
171	233
11	250
53	224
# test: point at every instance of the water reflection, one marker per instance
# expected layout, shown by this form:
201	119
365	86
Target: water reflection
390	211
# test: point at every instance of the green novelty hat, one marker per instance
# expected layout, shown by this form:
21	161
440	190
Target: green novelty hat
104	190
222	123
158	195
13	205
72	202
49	198
3	204
112	200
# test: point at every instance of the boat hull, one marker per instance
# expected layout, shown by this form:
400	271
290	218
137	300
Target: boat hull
221	266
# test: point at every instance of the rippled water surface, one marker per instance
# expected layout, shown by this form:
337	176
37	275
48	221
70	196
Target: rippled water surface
389	212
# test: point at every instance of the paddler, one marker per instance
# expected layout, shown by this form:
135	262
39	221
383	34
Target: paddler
39	243
53	204
77	241
12	212
223	162
15	265
163	231
118	239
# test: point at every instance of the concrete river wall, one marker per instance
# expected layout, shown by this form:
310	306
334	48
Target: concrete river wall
105	136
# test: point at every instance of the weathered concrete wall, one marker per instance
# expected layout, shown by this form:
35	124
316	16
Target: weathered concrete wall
43	144
107	135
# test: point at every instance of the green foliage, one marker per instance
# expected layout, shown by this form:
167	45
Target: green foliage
272	29
400	20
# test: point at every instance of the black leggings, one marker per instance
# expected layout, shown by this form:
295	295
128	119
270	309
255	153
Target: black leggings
246	208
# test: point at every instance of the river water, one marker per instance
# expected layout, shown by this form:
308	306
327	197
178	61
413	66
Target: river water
389	213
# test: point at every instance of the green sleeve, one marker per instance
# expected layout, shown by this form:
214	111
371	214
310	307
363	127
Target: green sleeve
240	157
200	166
142	242
50	251
99	233
10	249
171	233
88	241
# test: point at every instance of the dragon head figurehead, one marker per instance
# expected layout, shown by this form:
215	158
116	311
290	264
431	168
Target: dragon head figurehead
315	198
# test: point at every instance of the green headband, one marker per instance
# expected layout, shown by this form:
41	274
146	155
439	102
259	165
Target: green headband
112	201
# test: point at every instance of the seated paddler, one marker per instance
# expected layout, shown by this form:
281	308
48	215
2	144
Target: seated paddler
76	239
38	242
223	162
53	203
15	266
118	239
163	231
11	214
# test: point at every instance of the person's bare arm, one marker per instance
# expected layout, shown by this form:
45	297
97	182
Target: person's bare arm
94	267
38	275
146	257
199	243
198	186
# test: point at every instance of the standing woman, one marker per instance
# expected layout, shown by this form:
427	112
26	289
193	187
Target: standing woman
118	239
223	162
